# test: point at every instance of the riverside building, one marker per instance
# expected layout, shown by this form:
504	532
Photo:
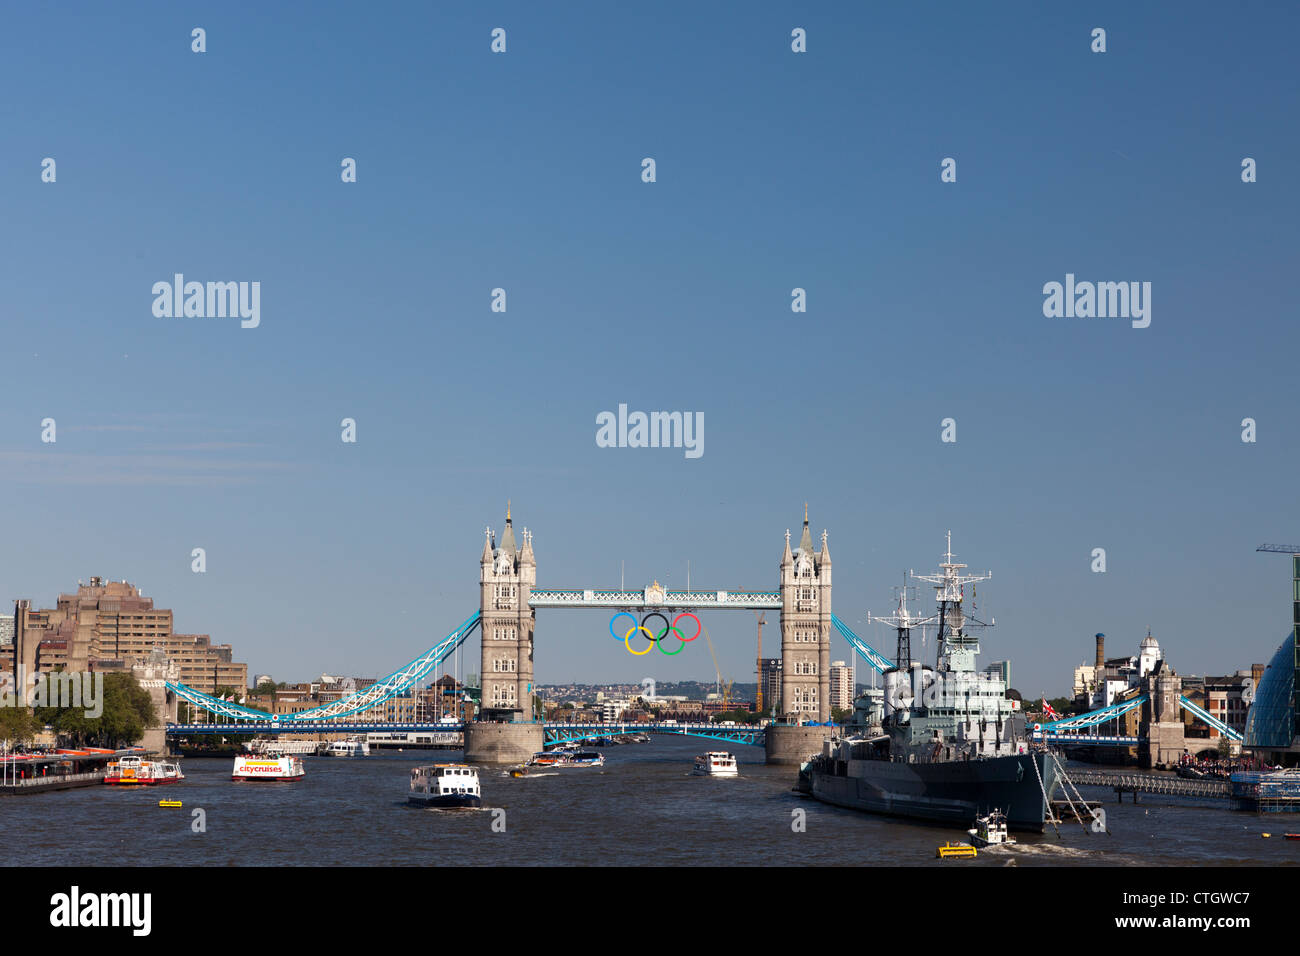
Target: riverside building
110	626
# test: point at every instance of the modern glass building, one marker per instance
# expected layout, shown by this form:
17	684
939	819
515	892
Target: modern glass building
1270	722
1273	721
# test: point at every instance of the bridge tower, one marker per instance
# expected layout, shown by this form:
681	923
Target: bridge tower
507	575
505	731
1160	728
806	629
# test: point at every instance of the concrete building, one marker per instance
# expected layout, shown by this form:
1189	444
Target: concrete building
806	630
843	682
111	626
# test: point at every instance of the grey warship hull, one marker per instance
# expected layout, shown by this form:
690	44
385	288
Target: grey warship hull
953	792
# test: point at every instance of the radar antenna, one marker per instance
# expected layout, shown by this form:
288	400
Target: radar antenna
904	621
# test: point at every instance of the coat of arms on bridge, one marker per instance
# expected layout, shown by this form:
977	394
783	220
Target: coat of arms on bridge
654	594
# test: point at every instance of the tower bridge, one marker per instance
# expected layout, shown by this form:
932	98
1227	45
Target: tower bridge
506	620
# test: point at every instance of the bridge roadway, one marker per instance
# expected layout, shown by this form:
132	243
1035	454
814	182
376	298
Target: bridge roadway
554	733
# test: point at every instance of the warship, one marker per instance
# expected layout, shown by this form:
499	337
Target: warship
939	743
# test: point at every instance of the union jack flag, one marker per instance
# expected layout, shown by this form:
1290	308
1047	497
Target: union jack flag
1047	709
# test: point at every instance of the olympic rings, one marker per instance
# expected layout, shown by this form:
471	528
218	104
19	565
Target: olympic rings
627	639
655	638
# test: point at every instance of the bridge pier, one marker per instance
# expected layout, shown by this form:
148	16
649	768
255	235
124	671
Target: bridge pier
490	742
789	744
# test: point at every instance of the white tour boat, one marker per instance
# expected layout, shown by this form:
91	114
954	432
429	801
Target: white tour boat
269	767
445	785
268	747
142	772
716	764
352	747
567	757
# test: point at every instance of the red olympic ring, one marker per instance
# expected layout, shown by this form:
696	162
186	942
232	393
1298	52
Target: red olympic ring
698	627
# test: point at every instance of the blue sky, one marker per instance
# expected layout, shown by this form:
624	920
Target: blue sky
775	170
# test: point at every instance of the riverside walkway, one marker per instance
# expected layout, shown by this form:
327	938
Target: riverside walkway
1159	783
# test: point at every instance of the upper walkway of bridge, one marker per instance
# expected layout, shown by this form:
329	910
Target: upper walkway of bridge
655	596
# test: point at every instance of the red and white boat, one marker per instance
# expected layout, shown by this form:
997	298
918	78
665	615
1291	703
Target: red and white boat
270	767
142	772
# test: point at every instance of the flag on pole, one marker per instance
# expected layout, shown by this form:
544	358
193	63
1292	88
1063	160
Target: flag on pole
1047	709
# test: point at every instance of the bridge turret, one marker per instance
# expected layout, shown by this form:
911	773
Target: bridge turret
507	577
805	630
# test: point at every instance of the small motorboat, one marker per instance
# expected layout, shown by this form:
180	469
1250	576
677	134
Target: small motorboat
1292	836
991	830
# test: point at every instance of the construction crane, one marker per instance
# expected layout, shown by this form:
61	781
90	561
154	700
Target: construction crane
758	700
723	688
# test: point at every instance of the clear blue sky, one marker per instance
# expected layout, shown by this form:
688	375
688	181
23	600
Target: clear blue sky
775	171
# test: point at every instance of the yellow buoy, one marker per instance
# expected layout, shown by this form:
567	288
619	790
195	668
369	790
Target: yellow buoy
1266	835
169	803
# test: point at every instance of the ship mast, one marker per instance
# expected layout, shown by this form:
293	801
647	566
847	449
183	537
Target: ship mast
950	585
904	621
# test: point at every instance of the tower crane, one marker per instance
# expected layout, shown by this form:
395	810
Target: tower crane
723	689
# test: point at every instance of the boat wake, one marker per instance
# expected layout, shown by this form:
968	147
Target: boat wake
1043	849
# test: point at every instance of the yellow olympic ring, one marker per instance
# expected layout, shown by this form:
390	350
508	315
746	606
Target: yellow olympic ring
627	642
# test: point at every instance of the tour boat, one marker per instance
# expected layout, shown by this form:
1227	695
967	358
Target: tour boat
715	764
991	830
352	747
270	767
567	757
264	746
446	785
137	771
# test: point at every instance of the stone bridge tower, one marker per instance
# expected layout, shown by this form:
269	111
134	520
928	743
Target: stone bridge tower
505	731
507	575
1160	729
806	629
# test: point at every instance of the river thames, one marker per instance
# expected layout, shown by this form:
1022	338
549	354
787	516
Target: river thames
642	807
